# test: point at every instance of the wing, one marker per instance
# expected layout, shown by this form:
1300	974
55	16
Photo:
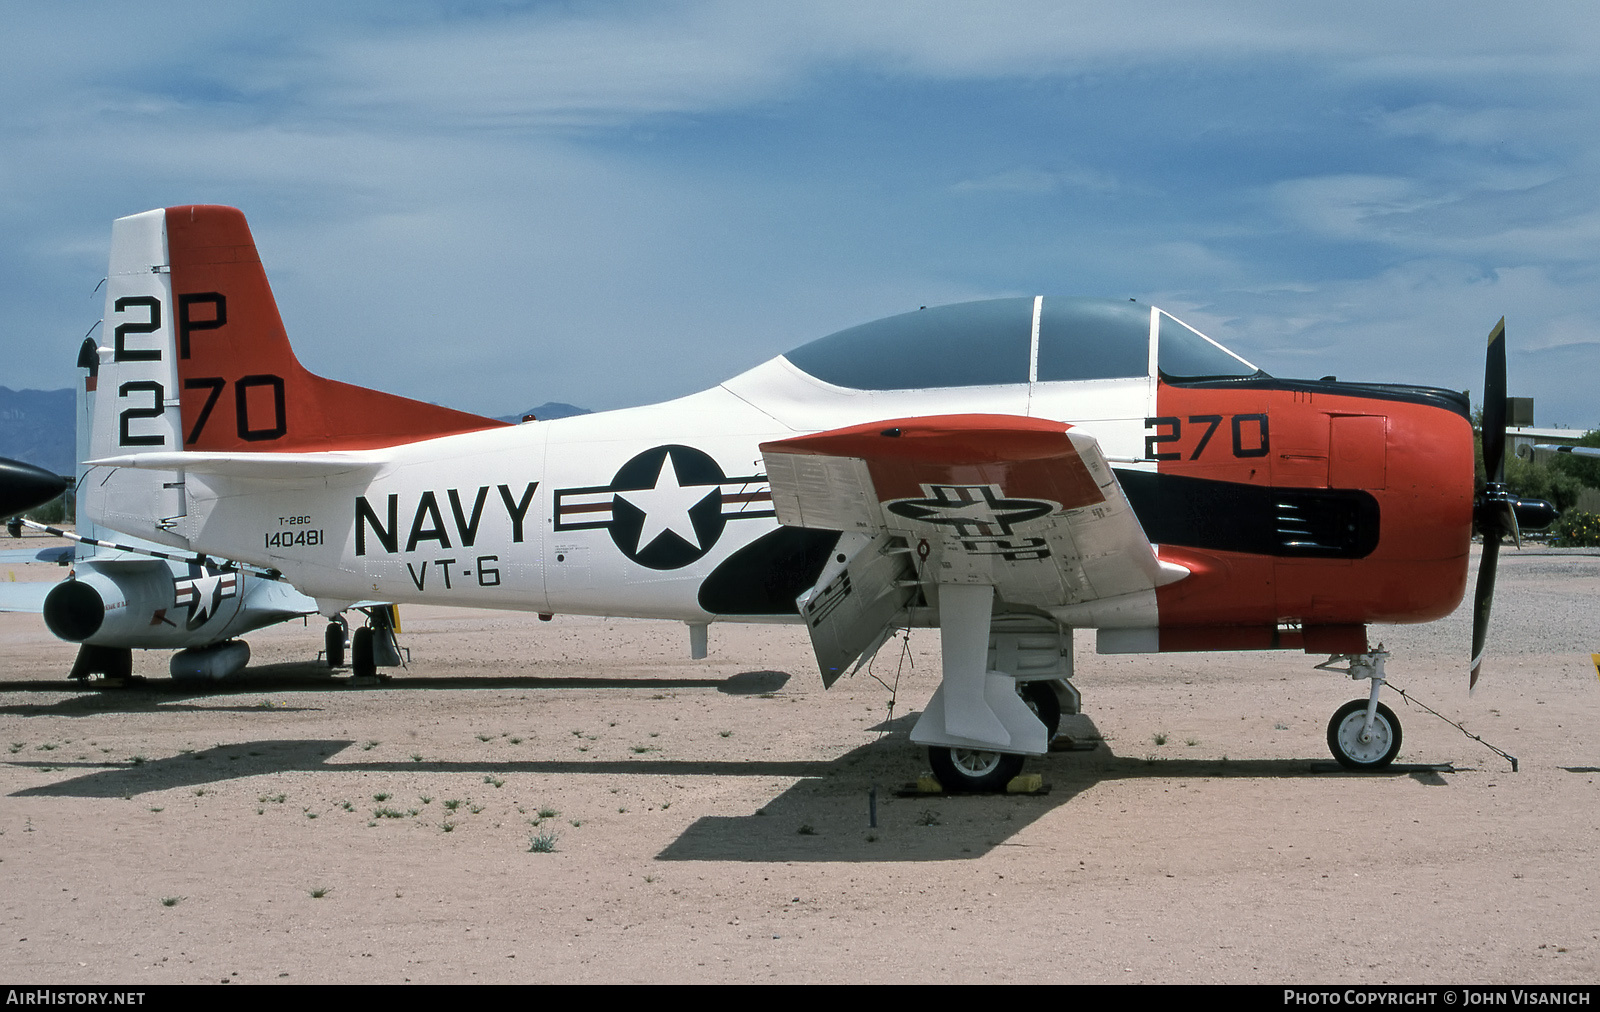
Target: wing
1025	505
59	554
25	596
1581	451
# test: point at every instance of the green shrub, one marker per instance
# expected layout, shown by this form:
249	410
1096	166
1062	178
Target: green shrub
1576	529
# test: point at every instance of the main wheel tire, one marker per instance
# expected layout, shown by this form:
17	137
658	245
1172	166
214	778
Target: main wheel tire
1041	699
972	771
1344	736
333	641
362	664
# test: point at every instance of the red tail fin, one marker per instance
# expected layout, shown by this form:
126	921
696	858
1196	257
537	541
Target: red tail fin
242	387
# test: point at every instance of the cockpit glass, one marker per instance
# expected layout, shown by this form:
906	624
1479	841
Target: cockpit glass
990	343
968	344
1091	339
984	343
1185	353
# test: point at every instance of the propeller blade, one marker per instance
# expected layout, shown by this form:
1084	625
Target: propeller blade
1494	405
1482	601
1493	510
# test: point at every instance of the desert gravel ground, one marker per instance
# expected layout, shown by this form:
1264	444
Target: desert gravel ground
709	819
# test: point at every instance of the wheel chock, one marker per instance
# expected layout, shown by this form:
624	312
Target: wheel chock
1025	783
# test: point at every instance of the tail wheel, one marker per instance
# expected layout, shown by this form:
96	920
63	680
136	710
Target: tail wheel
362	664
1345	736
971	771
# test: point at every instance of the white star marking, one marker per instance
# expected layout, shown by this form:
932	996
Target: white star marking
205	589
666	506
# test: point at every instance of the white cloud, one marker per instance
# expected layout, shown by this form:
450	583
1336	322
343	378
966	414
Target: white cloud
1041	181
544	185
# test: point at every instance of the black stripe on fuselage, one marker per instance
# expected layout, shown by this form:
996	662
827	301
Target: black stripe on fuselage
1227	516
765	576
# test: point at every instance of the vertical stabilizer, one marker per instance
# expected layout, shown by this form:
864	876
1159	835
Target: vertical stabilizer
199	360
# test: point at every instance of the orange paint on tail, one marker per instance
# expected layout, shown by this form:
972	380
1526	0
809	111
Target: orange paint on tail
242	387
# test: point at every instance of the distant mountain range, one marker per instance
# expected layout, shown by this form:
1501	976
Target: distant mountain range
549	411
36	425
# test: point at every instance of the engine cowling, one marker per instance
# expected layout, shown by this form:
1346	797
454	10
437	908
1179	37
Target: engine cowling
101	608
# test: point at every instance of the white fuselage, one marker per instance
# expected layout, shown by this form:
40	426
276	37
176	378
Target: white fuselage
620	513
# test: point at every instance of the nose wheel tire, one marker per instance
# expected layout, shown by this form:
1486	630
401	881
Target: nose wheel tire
970	771
1347	745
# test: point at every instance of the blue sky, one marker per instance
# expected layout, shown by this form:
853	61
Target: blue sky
491	205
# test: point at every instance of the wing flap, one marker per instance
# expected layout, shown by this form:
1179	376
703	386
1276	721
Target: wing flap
857	603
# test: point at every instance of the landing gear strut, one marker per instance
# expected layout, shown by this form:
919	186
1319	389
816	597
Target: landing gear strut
373	646
1363	734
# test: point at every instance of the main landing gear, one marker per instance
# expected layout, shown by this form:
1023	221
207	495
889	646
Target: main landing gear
971	771
995	704
1363	734
334	641
373	645
978	771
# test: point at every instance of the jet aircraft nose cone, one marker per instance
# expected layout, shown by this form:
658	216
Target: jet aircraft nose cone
23	486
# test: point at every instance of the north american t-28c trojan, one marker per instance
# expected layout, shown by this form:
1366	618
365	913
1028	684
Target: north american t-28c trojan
1008	470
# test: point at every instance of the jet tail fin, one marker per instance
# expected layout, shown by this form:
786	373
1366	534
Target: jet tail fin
199	359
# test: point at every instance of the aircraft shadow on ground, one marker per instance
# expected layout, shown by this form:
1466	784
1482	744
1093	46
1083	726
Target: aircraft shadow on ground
263	758
823	816
160	695
827	818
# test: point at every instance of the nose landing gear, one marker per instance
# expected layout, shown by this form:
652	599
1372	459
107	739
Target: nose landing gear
1363	734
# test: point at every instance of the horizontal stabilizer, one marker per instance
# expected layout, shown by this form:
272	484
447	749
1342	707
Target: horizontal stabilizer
59	554
263	466
25	597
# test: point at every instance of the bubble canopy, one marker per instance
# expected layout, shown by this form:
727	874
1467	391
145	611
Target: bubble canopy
992	343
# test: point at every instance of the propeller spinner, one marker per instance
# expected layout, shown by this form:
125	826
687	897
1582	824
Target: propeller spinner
1498	513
